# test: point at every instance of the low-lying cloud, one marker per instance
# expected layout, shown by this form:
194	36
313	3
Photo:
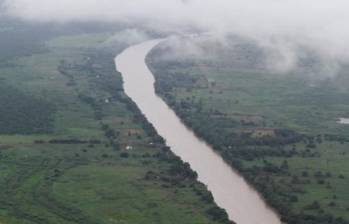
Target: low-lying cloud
318	25
127	37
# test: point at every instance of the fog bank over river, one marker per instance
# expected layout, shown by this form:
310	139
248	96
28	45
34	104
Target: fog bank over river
242	203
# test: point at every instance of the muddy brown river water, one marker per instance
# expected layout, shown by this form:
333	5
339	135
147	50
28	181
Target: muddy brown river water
230	191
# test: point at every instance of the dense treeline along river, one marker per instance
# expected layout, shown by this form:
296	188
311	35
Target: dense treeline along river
230	191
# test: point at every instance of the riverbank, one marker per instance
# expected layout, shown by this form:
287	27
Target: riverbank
230	191
91	157
299	168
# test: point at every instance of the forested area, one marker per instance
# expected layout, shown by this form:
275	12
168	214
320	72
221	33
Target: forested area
21	113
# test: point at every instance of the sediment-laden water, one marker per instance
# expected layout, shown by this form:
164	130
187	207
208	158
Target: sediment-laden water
231	192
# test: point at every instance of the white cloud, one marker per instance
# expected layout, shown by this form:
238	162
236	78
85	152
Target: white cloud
317	24
128	37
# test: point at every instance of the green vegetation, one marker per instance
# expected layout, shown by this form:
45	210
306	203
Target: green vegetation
278	130
22	114
75	149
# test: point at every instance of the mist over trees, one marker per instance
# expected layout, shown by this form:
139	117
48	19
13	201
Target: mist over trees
283	25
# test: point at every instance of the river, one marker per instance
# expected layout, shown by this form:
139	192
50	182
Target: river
230	191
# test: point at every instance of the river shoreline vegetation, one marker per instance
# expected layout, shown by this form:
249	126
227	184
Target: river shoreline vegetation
278	130
73	147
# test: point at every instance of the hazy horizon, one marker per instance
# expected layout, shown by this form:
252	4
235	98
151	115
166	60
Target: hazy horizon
283	25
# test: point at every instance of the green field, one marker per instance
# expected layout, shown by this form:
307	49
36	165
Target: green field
75	149
278	130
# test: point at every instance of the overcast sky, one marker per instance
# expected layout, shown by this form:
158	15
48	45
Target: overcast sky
319	24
